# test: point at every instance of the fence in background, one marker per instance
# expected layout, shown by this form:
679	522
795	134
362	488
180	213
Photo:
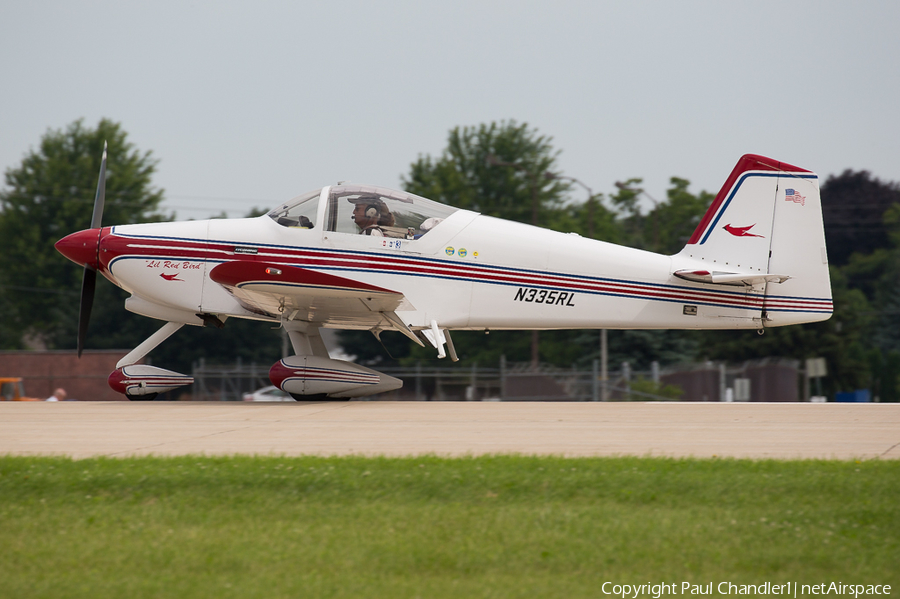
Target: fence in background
761	380
226	382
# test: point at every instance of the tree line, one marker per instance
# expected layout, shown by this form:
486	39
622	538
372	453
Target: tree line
505	169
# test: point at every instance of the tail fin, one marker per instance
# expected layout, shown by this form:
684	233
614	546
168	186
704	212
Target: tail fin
765	230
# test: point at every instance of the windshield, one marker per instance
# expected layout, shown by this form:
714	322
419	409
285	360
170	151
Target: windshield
384	212
299	212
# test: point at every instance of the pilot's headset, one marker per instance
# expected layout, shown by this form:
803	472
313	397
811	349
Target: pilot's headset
372	211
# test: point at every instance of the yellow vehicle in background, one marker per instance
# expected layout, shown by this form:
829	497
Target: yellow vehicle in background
12	389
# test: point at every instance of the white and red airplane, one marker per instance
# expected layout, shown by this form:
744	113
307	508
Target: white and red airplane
363	257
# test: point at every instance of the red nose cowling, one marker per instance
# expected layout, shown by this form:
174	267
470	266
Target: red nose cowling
82	247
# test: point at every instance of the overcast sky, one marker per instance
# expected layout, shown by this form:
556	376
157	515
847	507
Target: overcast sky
250	103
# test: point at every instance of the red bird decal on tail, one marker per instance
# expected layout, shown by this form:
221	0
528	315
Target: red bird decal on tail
741	231
170	277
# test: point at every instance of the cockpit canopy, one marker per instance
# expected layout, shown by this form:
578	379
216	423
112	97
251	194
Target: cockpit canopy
400	214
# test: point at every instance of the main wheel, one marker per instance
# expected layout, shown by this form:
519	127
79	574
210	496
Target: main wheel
149	397
316	397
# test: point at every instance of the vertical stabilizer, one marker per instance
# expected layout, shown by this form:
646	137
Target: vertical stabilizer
766	225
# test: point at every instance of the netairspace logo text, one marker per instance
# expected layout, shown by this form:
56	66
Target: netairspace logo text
787	589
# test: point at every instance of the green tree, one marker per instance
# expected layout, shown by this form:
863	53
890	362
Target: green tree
590	218
667	226
862	226
500	169
675	219
630	219
50	195
854	206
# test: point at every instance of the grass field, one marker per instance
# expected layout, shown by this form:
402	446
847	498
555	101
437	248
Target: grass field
500	526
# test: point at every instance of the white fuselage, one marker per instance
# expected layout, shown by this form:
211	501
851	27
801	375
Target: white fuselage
472	272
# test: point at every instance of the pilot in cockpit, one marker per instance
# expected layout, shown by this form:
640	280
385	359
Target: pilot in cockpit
370	215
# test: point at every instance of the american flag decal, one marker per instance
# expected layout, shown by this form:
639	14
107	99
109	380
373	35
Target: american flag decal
791	195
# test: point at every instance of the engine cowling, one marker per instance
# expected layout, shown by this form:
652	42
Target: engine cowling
141	380
313	375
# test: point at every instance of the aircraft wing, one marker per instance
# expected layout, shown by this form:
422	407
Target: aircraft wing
295	293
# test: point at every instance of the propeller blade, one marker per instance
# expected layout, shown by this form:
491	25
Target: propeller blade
89	280
88	283
100	198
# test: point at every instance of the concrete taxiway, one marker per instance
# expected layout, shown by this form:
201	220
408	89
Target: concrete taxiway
741	430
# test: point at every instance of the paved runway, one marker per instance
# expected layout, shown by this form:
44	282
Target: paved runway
755	430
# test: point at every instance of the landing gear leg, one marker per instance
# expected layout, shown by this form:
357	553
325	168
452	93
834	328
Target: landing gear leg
149	344
142	382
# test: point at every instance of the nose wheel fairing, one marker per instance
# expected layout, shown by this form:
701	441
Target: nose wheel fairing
140	380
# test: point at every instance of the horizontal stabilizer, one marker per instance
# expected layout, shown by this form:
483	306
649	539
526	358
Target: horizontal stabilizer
730	278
